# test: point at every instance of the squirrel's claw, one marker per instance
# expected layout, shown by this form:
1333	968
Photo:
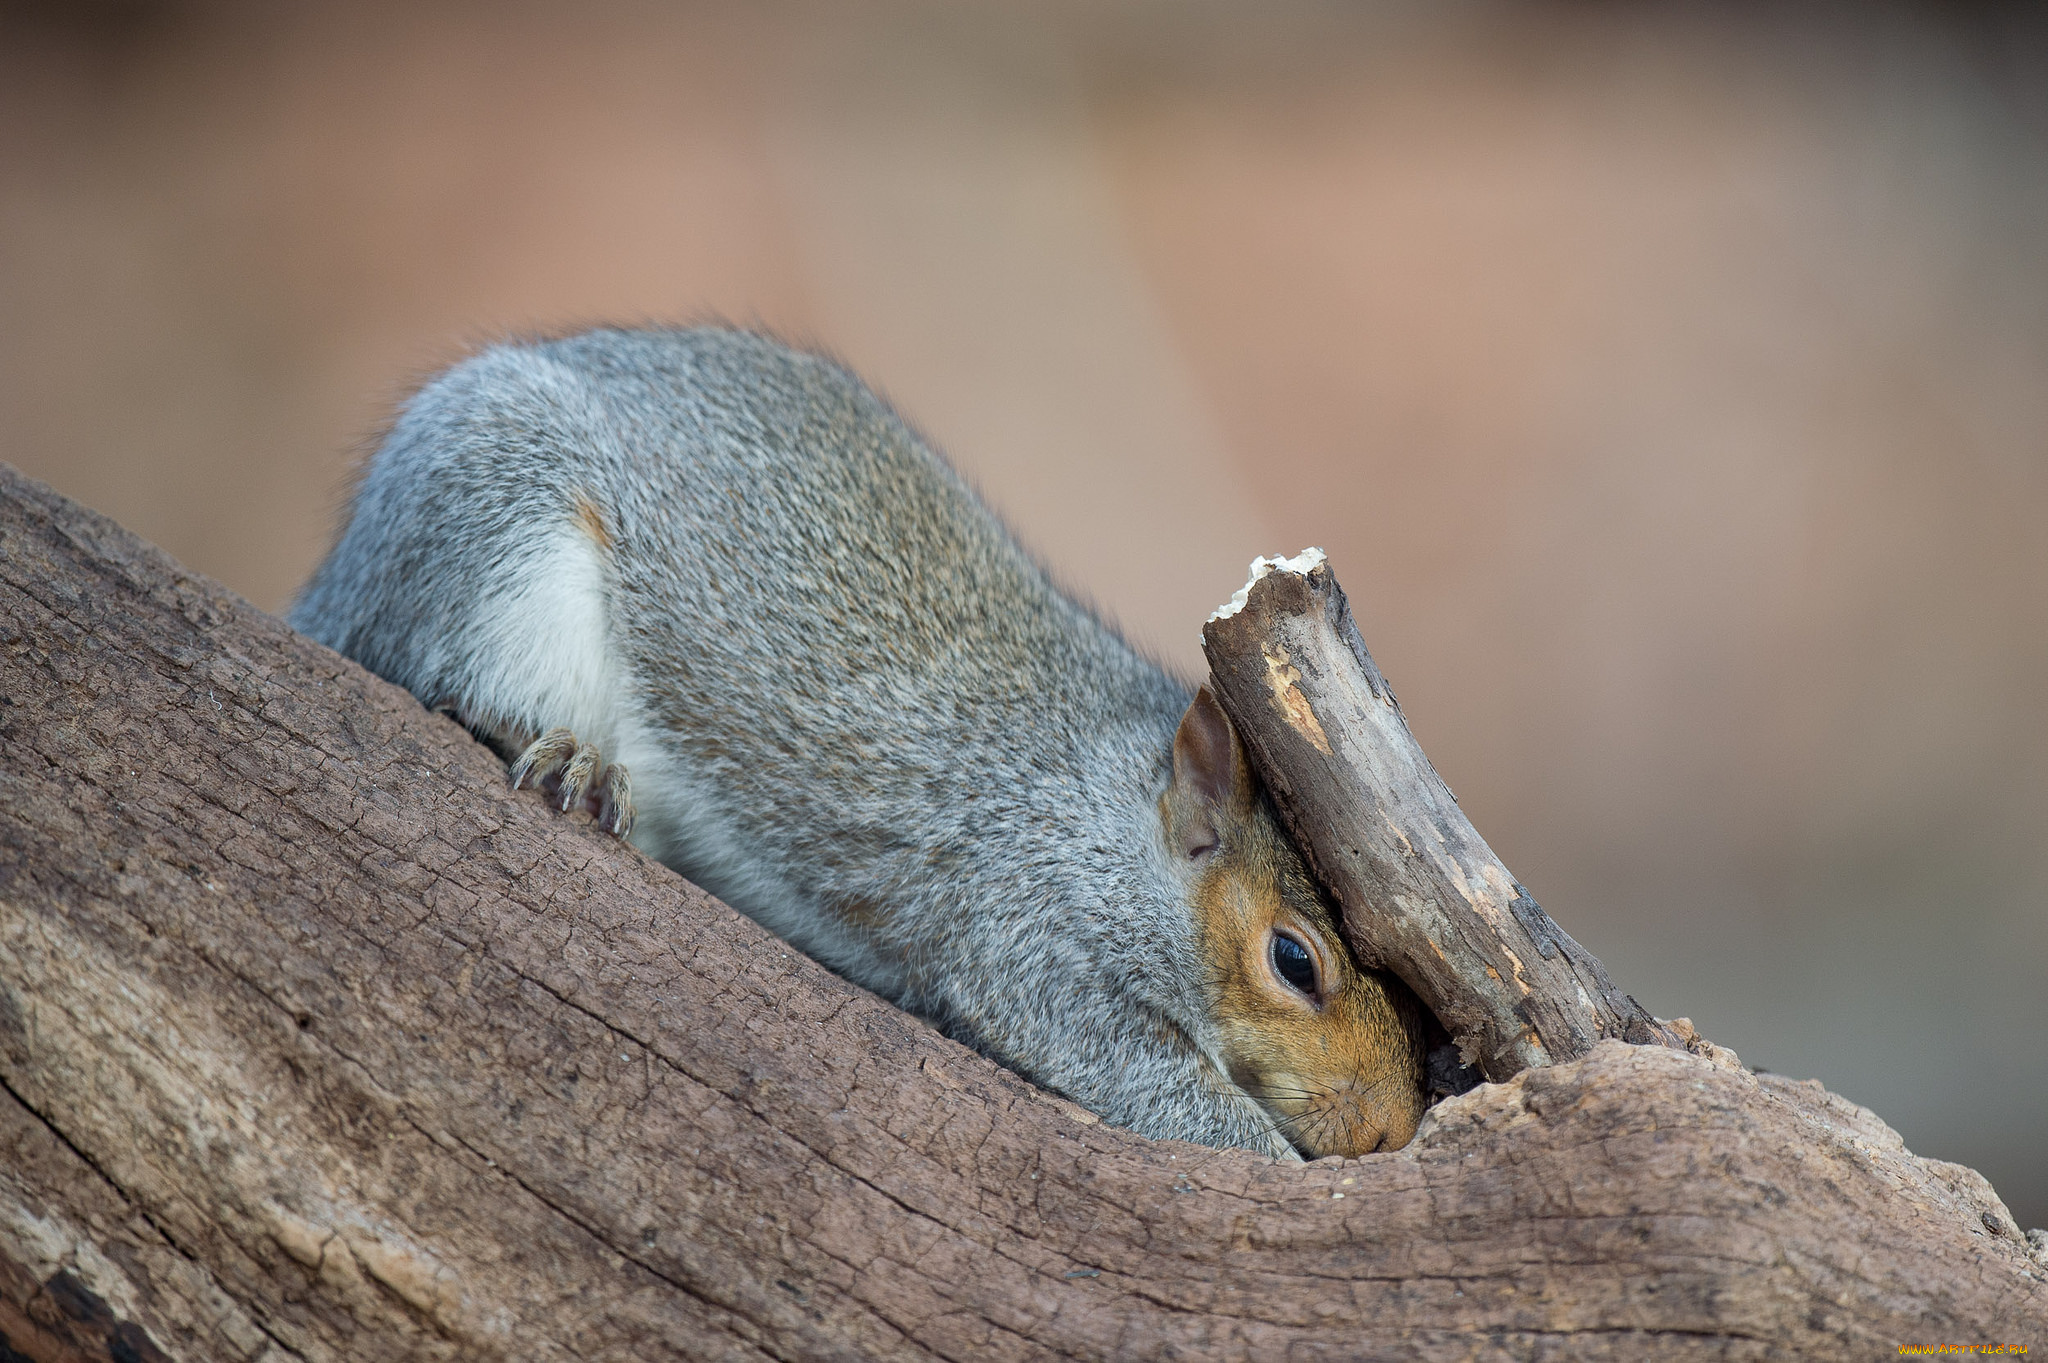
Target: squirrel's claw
574	774
615	802
544	758
577	777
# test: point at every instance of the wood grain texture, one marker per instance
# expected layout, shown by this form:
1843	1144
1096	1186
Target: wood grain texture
317	1042
1420	891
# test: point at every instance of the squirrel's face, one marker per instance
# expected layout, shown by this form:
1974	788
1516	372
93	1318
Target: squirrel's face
1334	1052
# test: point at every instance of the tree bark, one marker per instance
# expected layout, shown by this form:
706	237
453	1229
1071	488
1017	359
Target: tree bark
1420	892
317	1042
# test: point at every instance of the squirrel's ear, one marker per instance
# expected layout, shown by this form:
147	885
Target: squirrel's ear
1211	775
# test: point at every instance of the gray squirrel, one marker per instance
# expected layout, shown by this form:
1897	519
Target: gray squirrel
854	709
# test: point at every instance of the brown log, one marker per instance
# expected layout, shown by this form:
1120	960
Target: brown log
316	1042
1420	892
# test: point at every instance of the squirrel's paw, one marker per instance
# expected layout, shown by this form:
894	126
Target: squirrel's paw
574	774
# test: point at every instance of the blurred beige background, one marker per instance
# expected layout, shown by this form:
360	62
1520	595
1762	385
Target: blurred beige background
1668	383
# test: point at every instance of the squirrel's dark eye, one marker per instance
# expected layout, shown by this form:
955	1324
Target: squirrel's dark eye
1292	963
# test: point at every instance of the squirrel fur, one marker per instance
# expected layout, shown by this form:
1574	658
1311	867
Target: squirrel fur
718	592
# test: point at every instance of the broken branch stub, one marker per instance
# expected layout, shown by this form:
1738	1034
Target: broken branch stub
1420	892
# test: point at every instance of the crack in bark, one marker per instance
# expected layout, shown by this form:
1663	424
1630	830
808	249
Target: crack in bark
114	1186
595	1233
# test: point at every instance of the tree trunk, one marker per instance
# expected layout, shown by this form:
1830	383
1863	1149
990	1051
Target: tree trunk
318	1042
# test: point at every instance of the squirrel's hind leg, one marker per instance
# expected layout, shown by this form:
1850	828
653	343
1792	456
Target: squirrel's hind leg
573	774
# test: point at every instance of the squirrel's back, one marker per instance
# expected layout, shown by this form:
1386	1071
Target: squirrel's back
853	707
